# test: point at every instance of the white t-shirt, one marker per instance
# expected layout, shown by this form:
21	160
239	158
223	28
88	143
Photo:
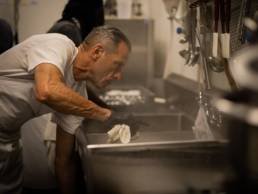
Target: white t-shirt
17	98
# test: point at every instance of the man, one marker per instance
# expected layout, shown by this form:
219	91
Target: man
47	73
79	17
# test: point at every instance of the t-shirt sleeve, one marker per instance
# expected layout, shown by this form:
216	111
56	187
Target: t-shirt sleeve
57	51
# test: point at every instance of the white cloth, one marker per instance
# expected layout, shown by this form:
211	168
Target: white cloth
119	133
17	98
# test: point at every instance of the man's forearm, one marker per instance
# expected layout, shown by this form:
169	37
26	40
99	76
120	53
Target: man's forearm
50	89
64	99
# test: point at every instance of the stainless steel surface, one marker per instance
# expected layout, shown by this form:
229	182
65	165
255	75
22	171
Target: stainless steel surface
201	37
216	64
156	168
194	50
159	128
243	66
153	122
239	105
164	158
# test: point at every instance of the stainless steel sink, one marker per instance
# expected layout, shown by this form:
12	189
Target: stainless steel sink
165	157
164	121
168	121
156	128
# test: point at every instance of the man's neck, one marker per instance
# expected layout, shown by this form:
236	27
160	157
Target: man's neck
81	67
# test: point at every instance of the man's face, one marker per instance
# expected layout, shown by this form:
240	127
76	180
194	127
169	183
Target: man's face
108	66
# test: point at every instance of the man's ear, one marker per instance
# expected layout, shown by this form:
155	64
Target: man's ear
97	51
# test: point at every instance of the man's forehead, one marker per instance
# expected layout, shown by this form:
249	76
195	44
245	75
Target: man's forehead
123	49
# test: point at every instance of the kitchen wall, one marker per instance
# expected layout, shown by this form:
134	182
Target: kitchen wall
36	16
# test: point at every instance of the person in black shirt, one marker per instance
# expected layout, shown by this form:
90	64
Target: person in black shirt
89	13
6	36
79	17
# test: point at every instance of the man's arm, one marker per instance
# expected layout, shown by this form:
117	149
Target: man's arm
65	166
50	89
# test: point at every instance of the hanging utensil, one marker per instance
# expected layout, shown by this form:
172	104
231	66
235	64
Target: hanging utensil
194	51
215	36
226	46
223	20
225	13
240	25
201	31
16	20
214	60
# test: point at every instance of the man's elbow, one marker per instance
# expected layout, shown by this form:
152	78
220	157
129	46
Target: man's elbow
43	94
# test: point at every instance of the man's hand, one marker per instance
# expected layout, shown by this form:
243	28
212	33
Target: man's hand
118	118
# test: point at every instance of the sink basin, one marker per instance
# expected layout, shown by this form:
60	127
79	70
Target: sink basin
163	157
154	167
153	122
156	128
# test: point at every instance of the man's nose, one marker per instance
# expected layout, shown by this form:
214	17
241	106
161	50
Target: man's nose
118	76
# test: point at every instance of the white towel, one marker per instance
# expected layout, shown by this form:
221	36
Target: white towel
119	133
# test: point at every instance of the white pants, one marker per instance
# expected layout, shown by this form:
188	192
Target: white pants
38	155
11	171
